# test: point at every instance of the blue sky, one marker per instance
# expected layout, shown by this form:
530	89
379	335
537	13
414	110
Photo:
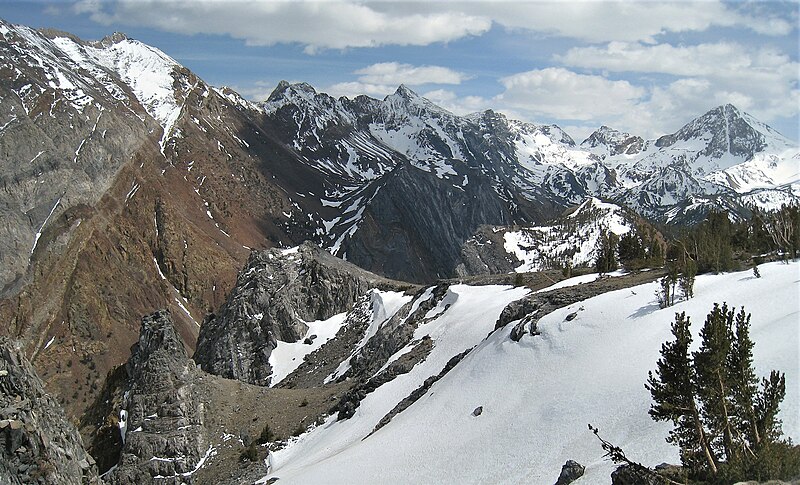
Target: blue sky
643	67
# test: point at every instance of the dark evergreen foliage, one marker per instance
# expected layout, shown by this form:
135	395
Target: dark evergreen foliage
726	427
607	252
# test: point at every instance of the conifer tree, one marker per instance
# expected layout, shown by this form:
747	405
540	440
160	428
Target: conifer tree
686	279
712	376
725	426
631	250
673	391
606	252
745	382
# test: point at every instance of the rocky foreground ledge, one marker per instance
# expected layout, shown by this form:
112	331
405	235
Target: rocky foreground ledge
38	445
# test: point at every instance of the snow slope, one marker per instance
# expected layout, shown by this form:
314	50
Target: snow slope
539	394
148	72
572	240
463	317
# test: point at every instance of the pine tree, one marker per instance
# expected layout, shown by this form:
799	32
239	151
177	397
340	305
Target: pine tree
673	391
744	383
767	404
725	426
686	279
631	250
655	253
606	252
713	379
664	292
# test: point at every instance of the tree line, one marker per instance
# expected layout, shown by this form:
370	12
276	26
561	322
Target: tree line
716	244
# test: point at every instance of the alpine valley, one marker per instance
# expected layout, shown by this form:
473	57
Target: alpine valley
198	288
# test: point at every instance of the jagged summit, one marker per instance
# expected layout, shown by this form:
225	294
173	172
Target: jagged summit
406	92
726	129
607	141
112	39
285	89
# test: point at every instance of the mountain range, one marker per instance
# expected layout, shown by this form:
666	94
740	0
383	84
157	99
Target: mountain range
131	185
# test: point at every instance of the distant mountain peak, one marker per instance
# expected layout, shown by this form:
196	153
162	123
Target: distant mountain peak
285	88
610	141
725	129
405	92
114	38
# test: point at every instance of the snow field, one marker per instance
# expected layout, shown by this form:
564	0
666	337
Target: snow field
539	394
470	317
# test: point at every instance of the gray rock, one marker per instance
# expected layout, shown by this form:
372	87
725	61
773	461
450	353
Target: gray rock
477	411
31	423
519	330
275	294
570	471
165	414
631	475
62	160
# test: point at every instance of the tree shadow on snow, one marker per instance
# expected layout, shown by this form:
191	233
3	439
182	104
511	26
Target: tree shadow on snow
644	311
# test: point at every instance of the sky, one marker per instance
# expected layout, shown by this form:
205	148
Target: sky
642	67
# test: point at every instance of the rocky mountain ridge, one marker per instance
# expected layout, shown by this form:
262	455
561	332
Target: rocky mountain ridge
569	241
167	184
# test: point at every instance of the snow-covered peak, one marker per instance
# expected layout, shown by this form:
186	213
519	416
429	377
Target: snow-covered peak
287	92
406	101
724	131
538	145
606	141
150	74
405	92
306	101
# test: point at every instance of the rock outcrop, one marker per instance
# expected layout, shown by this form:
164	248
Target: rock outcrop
275	294
570	471
528	310
38	445
162	423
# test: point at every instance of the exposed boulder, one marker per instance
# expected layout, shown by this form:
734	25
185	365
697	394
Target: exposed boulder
570	471
37	443
637	475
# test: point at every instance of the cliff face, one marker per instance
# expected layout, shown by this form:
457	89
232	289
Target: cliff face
163	416
37	443
276	294
415	225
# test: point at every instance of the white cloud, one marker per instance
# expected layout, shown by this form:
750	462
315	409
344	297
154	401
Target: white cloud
355	88
762	81
604	21
343	24
563	94
381	79
393	73
460	105
723	58
317	25
629	21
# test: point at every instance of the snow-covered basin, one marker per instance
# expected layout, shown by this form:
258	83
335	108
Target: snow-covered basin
539	394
